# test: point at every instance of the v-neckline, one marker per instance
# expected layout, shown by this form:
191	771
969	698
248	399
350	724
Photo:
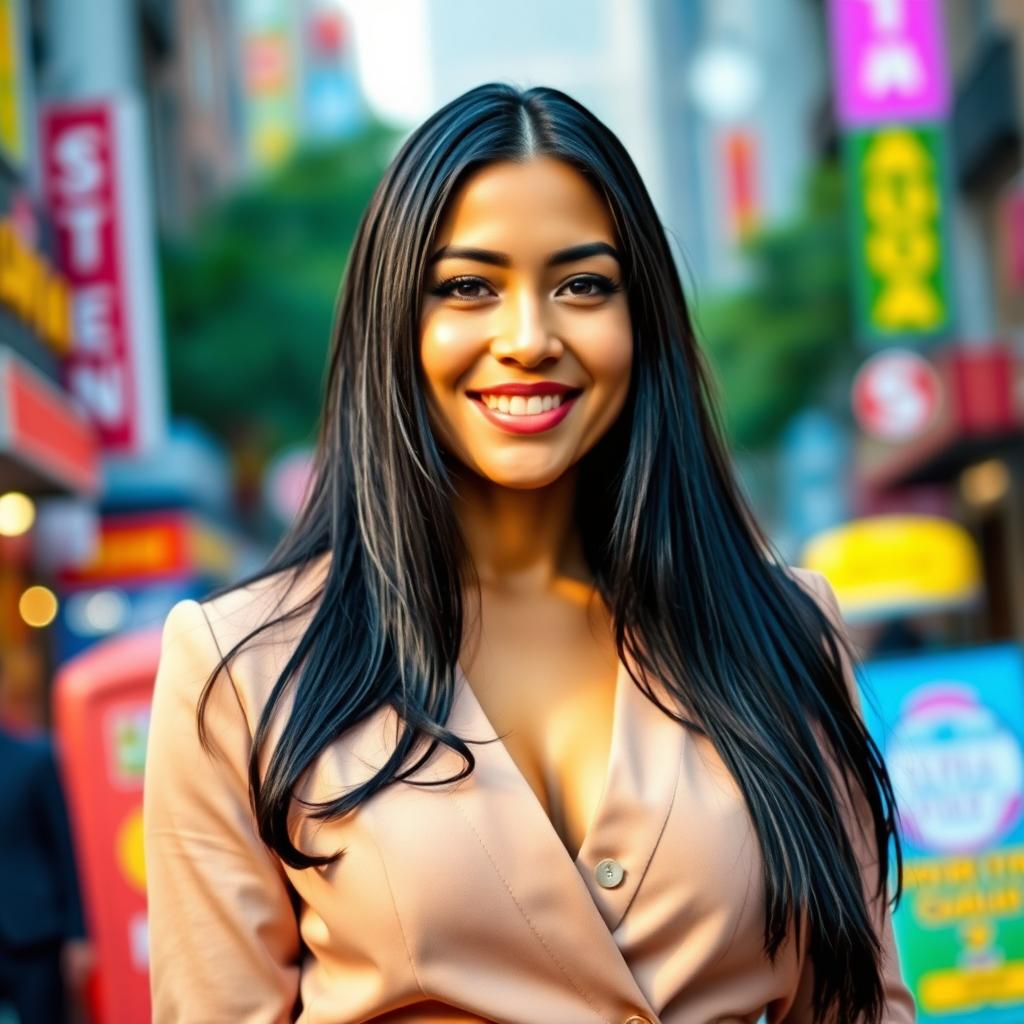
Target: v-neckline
580	858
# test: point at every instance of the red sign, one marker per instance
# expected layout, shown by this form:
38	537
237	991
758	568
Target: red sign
96	189
326	33
896	395
41	428
740	153
135	549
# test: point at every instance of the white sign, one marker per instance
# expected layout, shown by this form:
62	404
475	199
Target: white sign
896	395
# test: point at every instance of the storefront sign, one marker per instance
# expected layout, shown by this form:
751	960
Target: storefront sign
97	188
149	547
951	729
898	180
897	564
33	291
43	432
889	61
13	141
895	395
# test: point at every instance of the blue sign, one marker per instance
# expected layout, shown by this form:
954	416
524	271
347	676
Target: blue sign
951	728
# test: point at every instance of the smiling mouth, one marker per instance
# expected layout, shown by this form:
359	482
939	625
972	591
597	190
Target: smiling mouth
521	405
525	414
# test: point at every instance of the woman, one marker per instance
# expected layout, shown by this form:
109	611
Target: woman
532	726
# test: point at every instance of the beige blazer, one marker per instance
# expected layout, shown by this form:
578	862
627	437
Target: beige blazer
456	903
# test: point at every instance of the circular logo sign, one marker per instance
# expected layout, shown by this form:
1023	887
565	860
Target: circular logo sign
896	395
957	770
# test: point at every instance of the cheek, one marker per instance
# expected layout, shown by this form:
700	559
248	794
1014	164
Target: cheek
447	352
609	355
447	355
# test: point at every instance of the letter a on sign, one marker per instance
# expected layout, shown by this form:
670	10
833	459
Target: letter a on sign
888	61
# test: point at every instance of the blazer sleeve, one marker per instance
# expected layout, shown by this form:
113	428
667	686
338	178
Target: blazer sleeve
223	935
899	1005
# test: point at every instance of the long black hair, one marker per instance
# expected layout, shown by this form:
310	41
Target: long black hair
698	596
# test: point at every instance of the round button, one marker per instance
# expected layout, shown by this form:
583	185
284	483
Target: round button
637	1020
609	873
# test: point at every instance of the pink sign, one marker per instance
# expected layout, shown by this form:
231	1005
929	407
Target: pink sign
888	61
95	185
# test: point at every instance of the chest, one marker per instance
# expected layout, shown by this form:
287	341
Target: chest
546	681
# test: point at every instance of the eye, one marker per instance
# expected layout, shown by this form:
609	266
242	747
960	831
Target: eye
461	287
590	286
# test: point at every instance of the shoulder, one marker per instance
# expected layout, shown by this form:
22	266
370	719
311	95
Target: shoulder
238	641
214	625
818	586
287	595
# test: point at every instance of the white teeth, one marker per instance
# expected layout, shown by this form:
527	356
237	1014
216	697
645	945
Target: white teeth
519	405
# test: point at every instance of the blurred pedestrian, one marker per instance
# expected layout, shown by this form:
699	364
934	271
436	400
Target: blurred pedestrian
45	957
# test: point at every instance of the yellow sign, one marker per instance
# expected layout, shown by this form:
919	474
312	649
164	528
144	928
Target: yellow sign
954	989
12	133
897	563
33	290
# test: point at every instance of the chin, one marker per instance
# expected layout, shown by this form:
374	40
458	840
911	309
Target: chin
521	479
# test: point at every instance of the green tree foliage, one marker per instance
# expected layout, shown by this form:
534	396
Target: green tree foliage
776	343
249	296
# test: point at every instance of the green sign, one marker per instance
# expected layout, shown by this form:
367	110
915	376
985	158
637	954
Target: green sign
898	186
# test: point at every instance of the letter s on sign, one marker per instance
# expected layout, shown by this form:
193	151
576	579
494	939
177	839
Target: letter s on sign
77	153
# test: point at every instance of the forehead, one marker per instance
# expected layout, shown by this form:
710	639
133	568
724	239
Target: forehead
541	203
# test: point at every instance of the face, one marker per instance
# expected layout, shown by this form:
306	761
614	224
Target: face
525	338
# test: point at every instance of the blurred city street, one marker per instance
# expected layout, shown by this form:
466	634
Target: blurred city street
842	185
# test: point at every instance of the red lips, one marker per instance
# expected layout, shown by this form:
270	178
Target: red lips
541	387
534	423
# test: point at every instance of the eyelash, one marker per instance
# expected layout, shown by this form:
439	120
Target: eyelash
447	287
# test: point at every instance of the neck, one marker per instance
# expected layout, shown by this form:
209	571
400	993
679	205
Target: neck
521	541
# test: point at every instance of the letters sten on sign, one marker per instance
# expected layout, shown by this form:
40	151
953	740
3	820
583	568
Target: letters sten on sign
82	183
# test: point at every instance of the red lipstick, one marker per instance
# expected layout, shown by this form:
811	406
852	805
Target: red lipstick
527	423
540	387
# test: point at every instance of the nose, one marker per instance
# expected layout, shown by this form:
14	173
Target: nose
524	337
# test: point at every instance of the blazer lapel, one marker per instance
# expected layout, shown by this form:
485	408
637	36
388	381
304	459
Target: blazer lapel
644	771
571	915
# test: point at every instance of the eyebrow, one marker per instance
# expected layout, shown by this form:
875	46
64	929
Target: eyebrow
500	259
